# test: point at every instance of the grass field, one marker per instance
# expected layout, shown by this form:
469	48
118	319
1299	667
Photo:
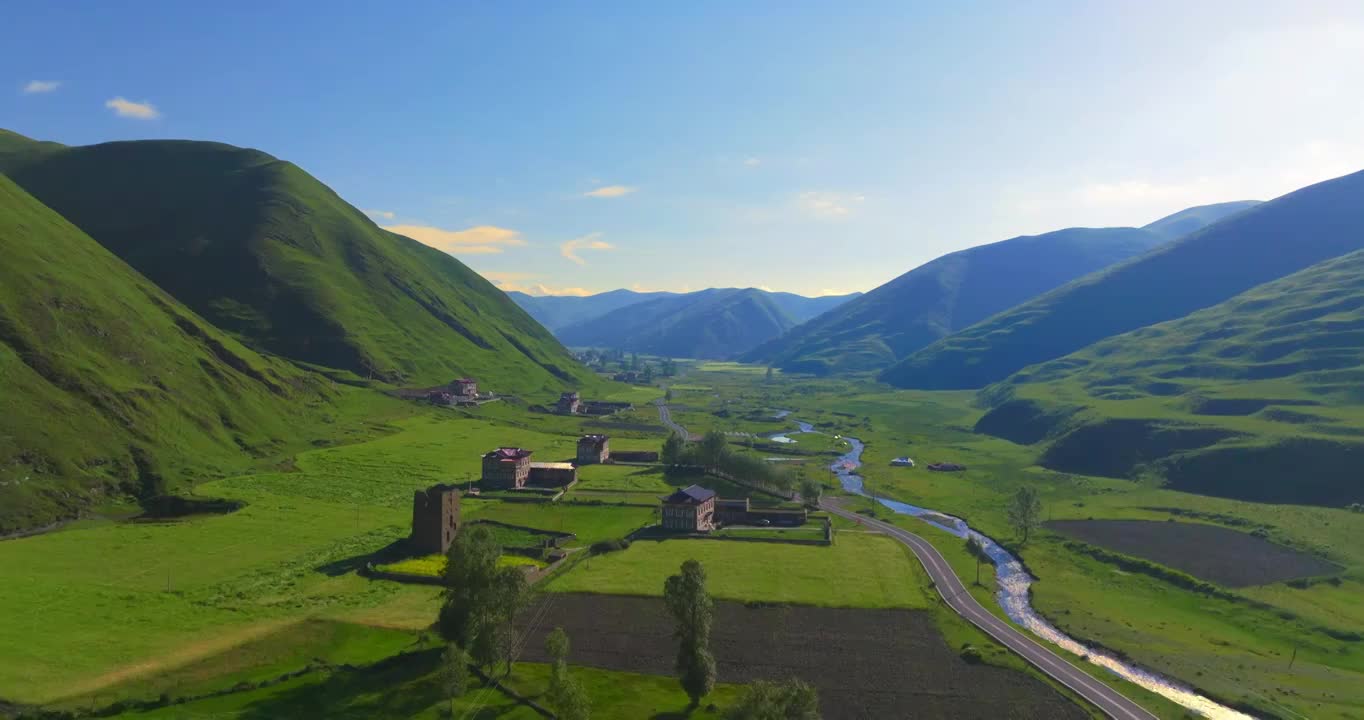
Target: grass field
434	565
872	572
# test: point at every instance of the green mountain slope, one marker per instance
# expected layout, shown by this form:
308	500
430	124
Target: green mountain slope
949	293
1173	227
1249	248
111	386
718	323
266	252
1260	397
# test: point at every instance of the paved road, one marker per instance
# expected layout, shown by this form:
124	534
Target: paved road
666	416
1113	703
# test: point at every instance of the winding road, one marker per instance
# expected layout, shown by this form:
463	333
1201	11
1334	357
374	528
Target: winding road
665	415
955	594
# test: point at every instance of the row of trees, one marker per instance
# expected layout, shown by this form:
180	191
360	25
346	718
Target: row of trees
713	453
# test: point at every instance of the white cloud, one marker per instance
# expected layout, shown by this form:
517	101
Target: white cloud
752	162
127	108
41	86
479	240
516	282
828	205
610	191
587	242
382	214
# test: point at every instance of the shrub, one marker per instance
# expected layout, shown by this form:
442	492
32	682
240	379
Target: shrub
601	547
972	655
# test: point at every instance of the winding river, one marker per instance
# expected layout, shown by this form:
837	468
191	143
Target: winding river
1014	583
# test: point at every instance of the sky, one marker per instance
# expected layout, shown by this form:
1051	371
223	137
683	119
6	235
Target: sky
816	148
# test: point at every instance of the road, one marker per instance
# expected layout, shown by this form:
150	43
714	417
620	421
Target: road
666	416
955	594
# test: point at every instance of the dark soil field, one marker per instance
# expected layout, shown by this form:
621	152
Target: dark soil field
1208	552
865	663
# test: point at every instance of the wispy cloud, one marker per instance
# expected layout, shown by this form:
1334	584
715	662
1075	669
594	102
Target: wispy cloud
518	282
587	242
610	191
752	162
479	240
382	214
127	108
828	205
41	86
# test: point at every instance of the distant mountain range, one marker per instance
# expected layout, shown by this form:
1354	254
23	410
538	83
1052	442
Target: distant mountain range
957	290
714	323
1254	246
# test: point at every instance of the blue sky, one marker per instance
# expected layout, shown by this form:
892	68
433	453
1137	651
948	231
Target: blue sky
807	147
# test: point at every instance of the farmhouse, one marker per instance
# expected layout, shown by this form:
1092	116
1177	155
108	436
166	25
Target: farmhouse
740	512
440	397
552	474
593	449
691	509
435	518
569	403
902	462
506	468
464	388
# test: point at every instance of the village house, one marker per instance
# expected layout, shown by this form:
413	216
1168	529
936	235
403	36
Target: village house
464	388
691	509
440	397
593	449
435	519
739	511
569	403
552	474
506	468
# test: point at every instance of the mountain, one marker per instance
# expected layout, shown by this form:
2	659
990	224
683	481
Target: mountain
1257	397
112	386
556	312
1173	227
267	253
716	324
1246	249
946	294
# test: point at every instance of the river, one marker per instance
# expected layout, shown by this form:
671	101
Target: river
1013	596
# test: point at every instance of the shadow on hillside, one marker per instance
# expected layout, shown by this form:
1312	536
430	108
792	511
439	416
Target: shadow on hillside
393	551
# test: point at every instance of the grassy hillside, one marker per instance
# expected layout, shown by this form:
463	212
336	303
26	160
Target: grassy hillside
266	252
1173	227
1254	246
952	292
717	323
113	387
1257	398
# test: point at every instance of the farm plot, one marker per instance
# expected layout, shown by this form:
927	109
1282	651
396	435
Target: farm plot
1208	552
864	663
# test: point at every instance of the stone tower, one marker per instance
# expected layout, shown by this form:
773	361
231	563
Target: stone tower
435	518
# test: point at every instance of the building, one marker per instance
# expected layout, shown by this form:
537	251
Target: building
440	397
552	474
741	512
593	449
569	404
435	519
902	462
691	509
731	512
464	388
506	468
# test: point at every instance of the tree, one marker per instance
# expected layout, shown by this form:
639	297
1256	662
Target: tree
1025	511
768	377
668	395
454	672
566	695
481	599
977	551
789	700
714	448
634	361
691	606
648	373
810	491
673	448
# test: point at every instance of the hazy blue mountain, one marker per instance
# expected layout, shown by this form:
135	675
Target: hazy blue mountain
1176	226
556	312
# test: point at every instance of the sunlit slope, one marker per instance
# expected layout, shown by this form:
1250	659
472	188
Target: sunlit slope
877	329
1260	397
110	386
265	251
1249	248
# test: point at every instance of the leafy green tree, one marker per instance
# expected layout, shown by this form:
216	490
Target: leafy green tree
454	673
810	491
714	449
648	373
566	694
789	700
481	599
768	377
668	395
692	607
673	448
1025	511
977	551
